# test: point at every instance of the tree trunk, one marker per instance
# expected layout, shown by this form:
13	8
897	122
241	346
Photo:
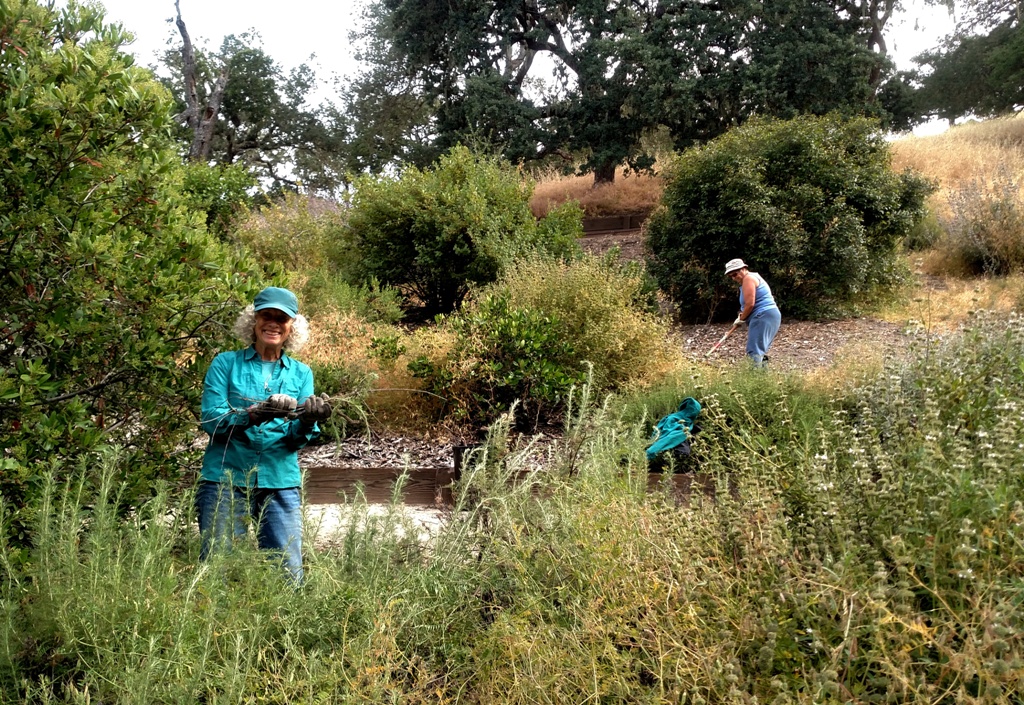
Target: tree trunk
604	173
201	120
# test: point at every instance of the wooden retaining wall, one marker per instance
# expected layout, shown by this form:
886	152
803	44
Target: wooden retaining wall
330	484
601	225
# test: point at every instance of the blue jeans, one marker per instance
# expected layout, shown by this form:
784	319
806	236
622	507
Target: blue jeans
763	327
277	512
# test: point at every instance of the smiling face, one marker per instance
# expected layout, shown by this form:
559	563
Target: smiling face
737	275
272	329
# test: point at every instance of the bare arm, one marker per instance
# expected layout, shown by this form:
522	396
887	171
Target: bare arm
749	296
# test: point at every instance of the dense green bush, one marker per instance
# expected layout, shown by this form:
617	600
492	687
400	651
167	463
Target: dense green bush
221	191
306	236
296	232
324	289
543	327
434	233
503	354
603	308
110	285
925	234
811	203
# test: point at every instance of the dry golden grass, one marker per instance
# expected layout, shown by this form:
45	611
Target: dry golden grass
633	193
338	337
970	152
945	303
396	399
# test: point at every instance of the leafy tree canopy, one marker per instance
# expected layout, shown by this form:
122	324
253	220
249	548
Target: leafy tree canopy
977	74
434	233
262	118
110	284
620	69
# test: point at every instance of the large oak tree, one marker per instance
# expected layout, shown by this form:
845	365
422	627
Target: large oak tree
581	78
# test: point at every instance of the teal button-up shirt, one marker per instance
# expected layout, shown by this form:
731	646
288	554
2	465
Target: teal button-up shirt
239	452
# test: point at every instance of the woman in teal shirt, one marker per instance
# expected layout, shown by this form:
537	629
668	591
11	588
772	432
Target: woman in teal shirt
259	410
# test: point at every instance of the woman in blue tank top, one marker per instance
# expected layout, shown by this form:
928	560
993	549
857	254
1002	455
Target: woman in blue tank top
757	309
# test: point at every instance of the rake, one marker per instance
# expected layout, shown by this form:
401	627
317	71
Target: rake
722	340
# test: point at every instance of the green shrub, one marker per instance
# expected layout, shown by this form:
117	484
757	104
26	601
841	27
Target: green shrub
503	354
307	237
926	234
110	289
435	233
222	192
544	326
325	290
985	229
300	233
603	309
810	203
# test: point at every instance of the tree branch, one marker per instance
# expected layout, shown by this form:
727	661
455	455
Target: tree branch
201	120
111	378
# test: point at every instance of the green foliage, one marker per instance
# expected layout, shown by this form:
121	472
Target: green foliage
307	237
977	75
984	233
621	71
603	308
294	231
925	234
877	558
786	411
325	290
543	327
811	203
223	192
264	123
435	233
504	354
109	288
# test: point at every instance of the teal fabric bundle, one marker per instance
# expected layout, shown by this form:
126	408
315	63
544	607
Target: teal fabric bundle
675	428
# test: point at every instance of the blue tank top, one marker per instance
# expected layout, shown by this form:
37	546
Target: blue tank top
763	298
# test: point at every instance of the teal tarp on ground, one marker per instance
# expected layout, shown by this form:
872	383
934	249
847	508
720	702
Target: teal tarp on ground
675	428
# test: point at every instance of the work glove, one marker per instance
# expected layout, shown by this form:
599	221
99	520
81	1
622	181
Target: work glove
275	407
739	321
315	409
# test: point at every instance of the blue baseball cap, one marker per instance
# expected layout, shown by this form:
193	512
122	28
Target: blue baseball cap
276	297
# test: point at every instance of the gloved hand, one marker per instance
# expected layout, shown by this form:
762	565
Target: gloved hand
277	406
739	321
282	402
315	409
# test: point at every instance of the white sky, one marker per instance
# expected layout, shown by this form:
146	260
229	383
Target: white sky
294	30
291	31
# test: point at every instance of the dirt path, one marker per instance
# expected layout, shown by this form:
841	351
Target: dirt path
801	345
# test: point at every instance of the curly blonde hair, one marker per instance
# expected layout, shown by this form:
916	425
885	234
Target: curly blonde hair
245	324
